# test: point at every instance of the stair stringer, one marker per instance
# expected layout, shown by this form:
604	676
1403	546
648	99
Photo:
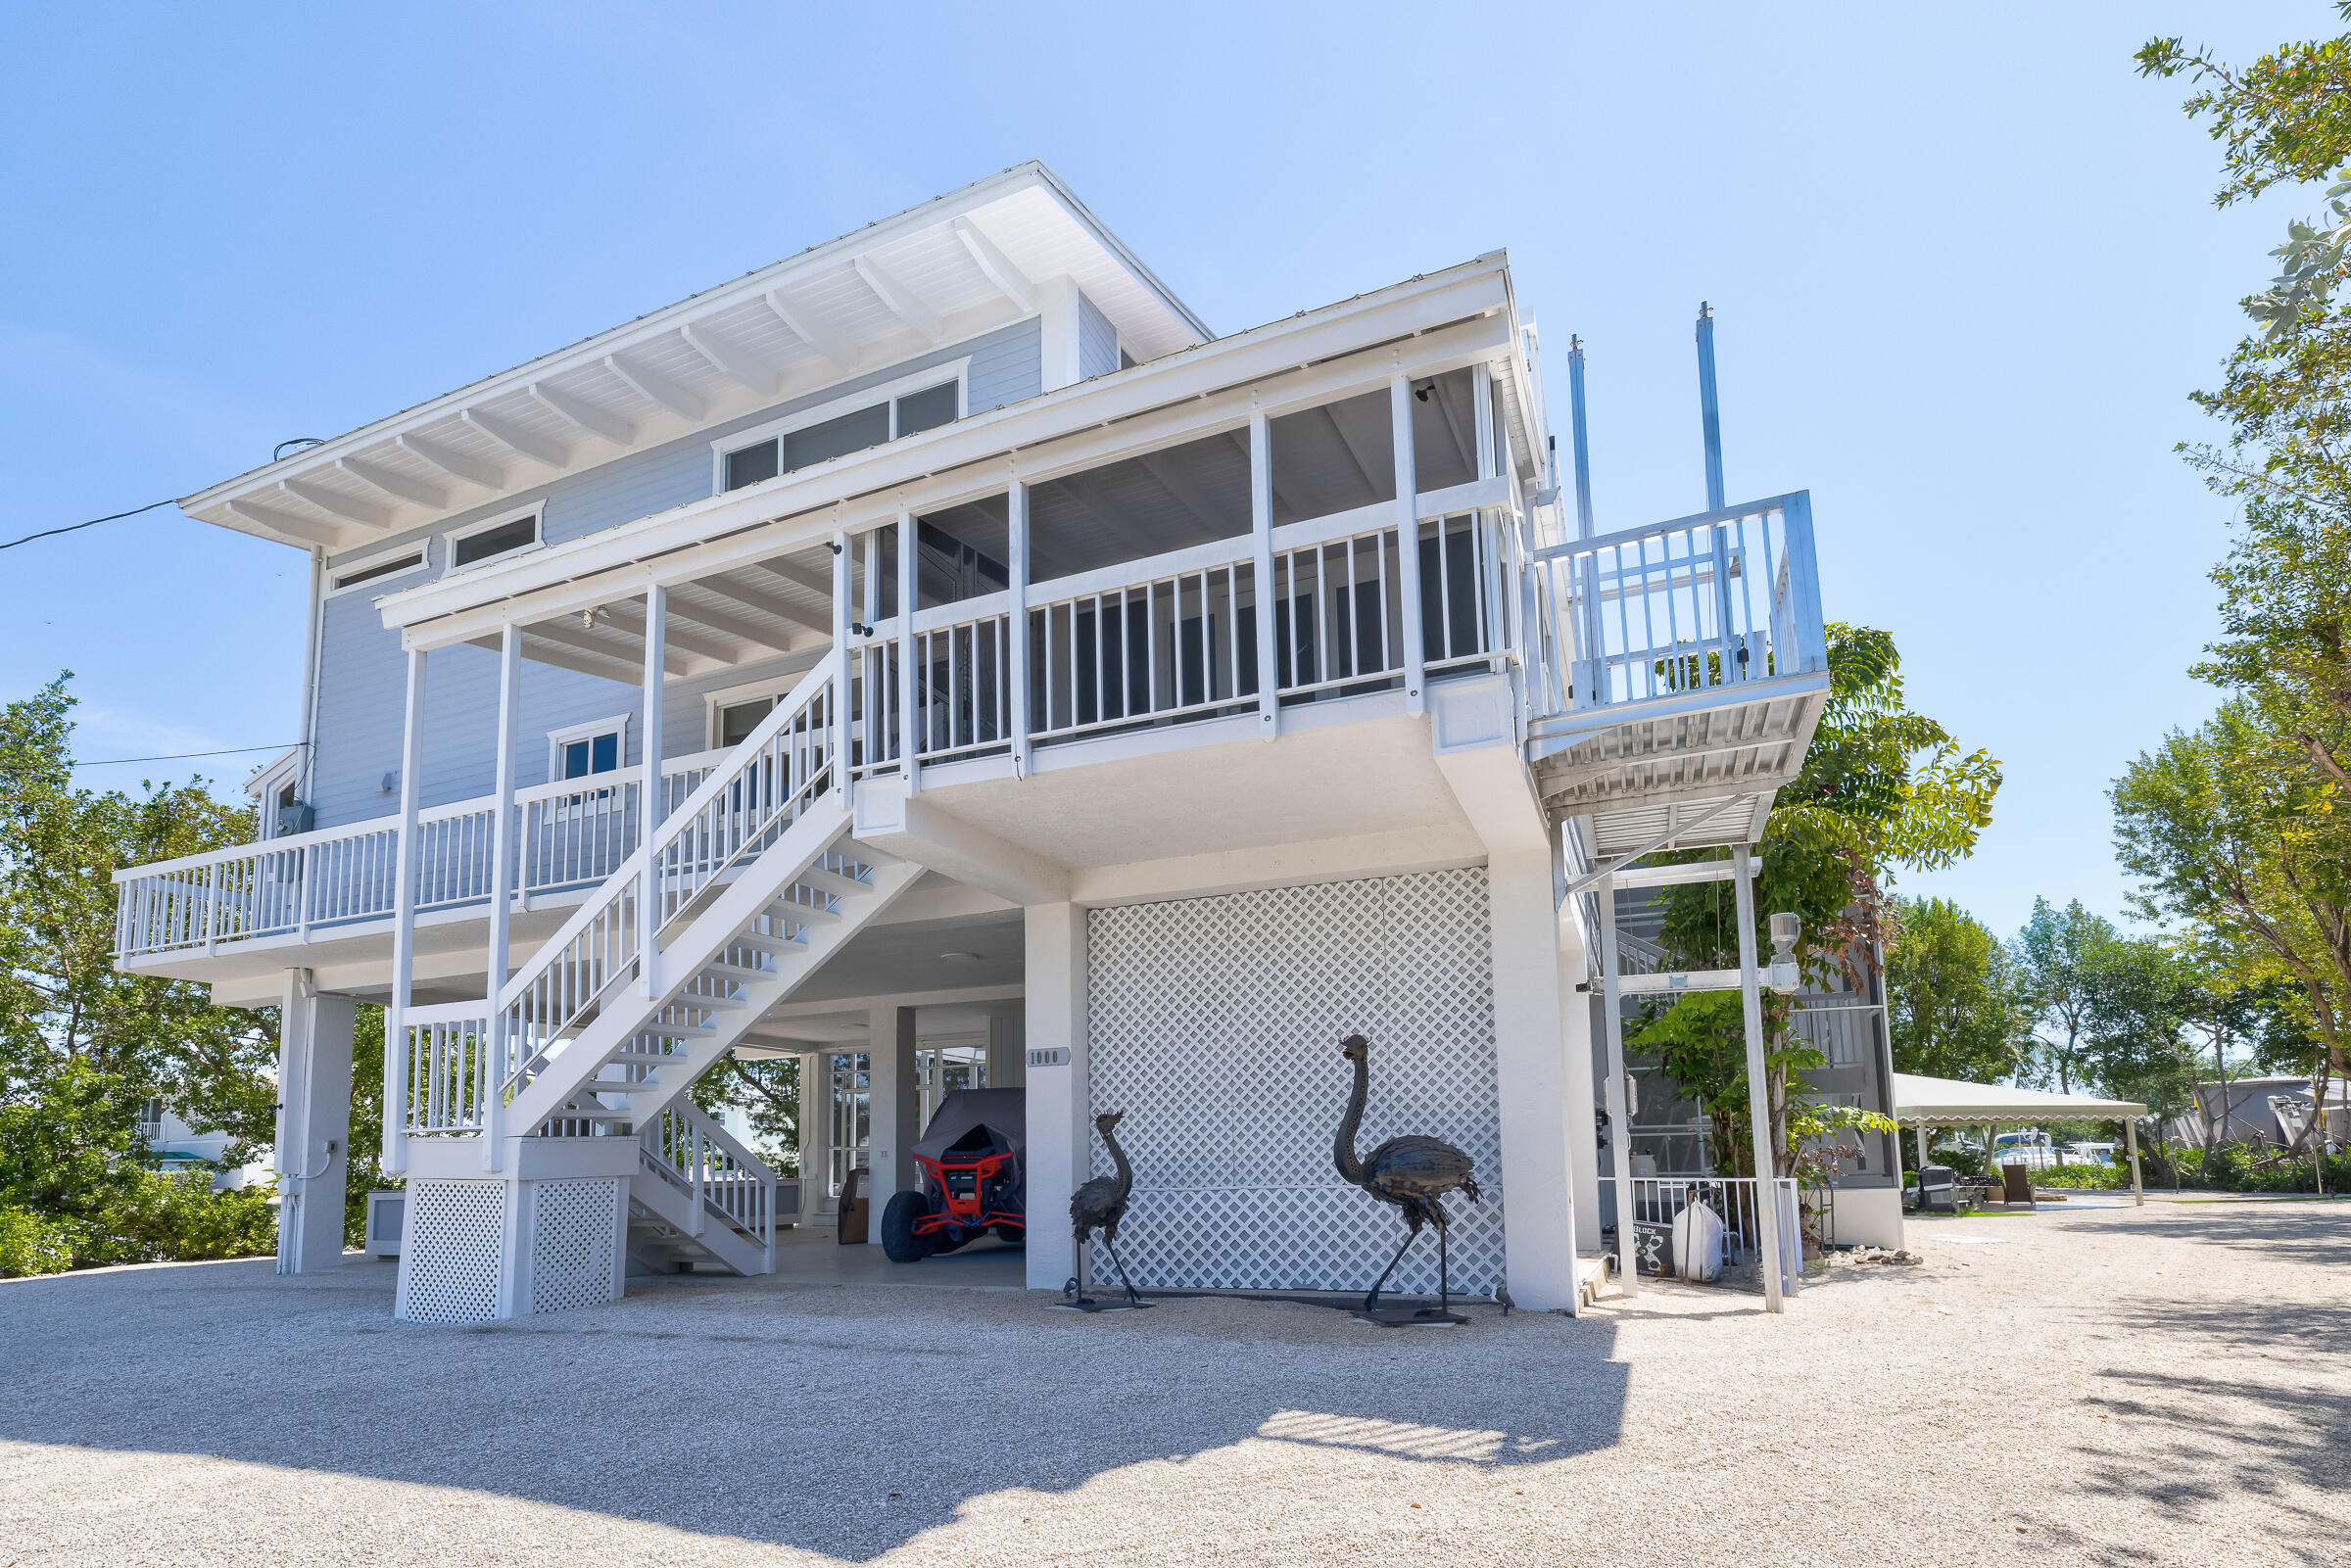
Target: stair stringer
571	1075
674	1209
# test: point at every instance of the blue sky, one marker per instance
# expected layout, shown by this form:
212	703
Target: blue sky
1965	264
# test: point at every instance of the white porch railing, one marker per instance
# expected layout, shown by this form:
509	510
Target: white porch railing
720	1177
570	833
444	1069
1698	604
1702	603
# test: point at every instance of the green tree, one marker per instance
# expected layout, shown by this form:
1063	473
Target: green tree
82	1048
1954	1004
2143	1002
2055	958
1882	788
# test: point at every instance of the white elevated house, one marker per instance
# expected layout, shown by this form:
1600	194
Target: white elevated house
939	655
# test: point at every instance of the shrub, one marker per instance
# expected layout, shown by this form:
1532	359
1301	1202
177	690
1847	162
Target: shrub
31	1244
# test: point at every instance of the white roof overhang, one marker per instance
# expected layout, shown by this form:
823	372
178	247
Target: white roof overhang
1949	1102
960	265
1431	324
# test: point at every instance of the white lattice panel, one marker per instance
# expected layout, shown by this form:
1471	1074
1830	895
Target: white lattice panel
1214	1025
450	1252
576	1227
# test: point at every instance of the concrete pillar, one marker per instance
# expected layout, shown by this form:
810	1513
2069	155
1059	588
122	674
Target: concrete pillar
816	1134
1537	1214
1060	1105
896	1111
313	1128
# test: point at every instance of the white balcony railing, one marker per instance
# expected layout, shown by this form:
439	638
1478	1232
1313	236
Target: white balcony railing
1715	600
1690	608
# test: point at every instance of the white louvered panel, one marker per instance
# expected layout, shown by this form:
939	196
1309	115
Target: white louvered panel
450	1252
1214	1025
577	1227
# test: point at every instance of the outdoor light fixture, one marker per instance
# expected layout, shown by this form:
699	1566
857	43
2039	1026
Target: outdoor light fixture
1784	929
1424	391
586	620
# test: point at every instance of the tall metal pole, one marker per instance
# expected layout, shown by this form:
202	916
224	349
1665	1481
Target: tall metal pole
1583	445
403	923
1709	412
1758	1080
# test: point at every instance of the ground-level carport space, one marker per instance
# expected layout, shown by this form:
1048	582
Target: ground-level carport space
2167	1384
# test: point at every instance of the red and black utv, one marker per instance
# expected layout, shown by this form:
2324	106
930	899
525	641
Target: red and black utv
973	1161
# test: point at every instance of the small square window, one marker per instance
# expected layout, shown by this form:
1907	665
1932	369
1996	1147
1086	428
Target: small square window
751	465
927	409
737	721
590	754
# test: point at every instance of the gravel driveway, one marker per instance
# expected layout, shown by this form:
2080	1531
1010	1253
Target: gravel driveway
2163	1385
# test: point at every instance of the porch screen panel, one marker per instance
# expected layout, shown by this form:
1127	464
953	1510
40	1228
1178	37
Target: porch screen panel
1214	1025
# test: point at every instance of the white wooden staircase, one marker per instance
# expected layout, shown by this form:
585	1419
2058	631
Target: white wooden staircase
735	900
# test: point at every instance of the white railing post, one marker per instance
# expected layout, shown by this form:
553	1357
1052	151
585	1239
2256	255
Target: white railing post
502	890
1017	548
1803	581
1261	526
842	776
910	728
648	796
1758	1087
403	923
1408	543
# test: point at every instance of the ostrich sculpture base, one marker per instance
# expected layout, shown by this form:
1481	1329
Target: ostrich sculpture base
1073	1297
1441	1315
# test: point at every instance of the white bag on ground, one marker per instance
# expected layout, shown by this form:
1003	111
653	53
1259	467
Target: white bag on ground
1698	1242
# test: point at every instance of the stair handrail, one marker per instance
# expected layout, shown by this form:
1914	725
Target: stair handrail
694	1119
615	890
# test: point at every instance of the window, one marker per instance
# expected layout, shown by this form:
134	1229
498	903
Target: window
405	560
492	540
849	424
587	749
737	720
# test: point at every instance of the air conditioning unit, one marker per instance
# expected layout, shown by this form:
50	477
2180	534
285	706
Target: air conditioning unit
385	1212
297	817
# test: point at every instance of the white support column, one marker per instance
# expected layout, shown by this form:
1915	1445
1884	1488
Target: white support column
1057	304
314	1128
1621	1120
895	1109
910	729
1538	1208
1018	668
843	756
1407	542
403	923
2138	1193
502	877
1060	1104
649	793
1758	1096
816	1134
1260	523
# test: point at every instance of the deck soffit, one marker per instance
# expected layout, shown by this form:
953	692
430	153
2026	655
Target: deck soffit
951	268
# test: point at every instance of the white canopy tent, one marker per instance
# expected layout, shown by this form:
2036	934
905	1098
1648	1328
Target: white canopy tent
1922	1103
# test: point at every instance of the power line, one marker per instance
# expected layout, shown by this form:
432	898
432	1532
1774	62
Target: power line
93	523
184	756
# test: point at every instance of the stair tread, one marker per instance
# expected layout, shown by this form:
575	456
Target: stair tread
805	914
831	881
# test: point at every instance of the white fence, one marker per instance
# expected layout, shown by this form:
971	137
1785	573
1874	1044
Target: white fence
1705	1229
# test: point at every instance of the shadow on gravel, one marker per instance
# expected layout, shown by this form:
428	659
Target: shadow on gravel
836	1420
2316	1233
2223	1437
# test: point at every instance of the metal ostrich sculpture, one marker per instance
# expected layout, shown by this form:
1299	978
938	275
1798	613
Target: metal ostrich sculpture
1099	1205
1413	1172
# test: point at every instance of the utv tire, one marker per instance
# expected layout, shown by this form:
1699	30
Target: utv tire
899	1240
